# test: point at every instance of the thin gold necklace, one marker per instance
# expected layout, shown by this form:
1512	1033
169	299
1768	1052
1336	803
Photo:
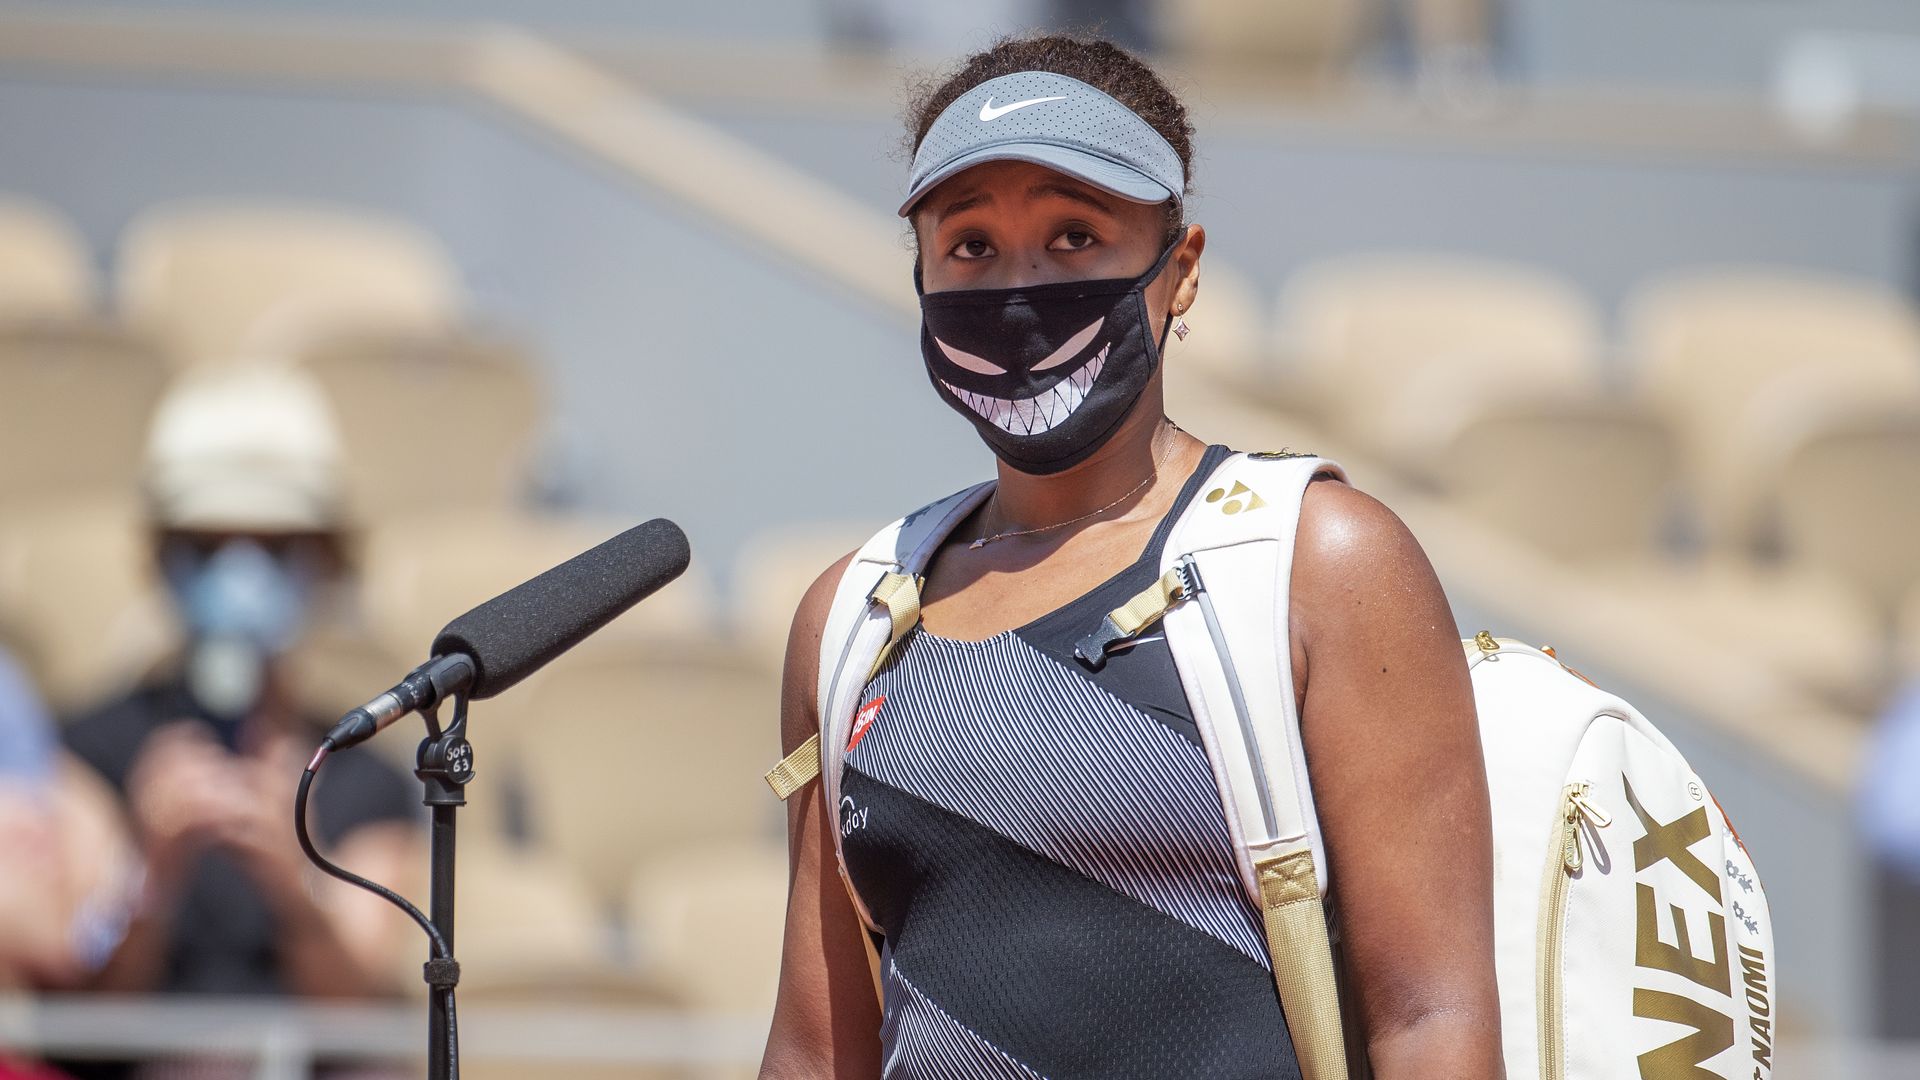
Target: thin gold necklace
1172	441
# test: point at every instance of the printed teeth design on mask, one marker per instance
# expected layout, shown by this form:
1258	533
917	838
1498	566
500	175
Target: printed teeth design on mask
1031	416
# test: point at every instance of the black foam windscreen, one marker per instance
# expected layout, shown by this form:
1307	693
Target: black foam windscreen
516	633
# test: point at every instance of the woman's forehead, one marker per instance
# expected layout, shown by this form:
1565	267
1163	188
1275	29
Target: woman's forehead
1001	184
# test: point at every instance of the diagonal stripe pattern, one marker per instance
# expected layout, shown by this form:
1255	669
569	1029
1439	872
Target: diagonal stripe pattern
920	1041
1000	733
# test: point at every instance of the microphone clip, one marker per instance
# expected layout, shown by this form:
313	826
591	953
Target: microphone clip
444	761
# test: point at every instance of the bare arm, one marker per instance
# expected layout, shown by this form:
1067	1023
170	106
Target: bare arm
187	796
826	1022
1389	726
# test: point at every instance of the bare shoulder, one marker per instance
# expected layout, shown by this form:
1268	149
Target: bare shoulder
802	665
1338	519
1354	559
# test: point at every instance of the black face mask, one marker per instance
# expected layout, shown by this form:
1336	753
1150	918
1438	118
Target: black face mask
1044	372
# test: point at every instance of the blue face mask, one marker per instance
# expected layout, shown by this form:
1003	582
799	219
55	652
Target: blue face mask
242	606
240	593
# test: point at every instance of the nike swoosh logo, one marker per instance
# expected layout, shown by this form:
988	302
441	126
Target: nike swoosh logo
988	113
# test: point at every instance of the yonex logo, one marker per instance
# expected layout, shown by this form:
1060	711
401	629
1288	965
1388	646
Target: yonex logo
1234	502
988	114
863	720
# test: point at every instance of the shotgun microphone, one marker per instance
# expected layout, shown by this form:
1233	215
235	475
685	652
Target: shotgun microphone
515	634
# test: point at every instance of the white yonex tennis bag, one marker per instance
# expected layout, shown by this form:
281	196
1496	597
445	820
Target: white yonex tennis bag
1632	937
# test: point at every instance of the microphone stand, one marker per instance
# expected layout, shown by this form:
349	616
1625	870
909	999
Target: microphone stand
444	764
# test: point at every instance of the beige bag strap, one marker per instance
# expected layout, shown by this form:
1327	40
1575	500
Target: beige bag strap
900	595
1302	949
794	771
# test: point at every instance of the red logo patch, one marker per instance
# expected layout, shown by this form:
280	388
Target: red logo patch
863	720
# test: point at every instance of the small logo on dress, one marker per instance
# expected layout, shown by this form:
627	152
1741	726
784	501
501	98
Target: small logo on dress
1234	503
863	720
851	817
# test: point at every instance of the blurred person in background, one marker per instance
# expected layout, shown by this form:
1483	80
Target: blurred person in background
243	482
1887	808
56	850
34	898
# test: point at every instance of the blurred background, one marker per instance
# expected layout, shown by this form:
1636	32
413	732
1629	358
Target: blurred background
375	309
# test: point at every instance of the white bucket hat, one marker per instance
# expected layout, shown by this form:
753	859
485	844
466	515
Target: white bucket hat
249	450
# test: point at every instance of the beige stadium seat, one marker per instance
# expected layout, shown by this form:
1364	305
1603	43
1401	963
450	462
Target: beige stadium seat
630	755
45	274
1386	341
430	423
1314	37
1907	653
707	921
1727	354
530	936
1799	621
78	585
1847	500
1583	479
74	406
774	570
220	283
418	574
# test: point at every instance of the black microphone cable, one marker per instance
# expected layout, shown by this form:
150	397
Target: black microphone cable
438	942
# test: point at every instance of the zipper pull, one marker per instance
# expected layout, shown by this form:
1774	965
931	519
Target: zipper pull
1576	806
1190	576
1589	808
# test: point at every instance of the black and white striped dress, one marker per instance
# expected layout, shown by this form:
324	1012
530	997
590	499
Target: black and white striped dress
1045	850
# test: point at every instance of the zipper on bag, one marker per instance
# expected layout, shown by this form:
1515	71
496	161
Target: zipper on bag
1190	573
1564	860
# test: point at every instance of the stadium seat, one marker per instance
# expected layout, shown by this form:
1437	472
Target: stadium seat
416	574
1798	620
773	571
1375	338
1847	500
1726	354
45	273
78	587
528	928
631	755
74	406
708	920
531	936
221	283
430	423
1313	37
1584	479
1484	380
1907	652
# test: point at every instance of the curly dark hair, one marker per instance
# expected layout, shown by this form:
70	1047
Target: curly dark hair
1095	61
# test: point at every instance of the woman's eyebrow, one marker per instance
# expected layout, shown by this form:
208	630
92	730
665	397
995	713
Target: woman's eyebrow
1044	188
964	202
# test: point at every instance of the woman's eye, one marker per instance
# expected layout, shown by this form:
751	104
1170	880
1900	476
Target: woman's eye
1072	240
972	249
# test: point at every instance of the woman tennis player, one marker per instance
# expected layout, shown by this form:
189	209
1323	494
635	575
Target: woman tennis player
1041	843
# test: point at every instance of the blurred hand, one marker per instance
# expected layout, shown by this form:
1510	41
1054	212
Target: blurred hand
260	830
33	900
183	790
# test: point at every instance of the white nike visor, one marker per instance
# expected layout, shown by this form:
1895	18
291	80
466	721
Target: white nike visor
1054	121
